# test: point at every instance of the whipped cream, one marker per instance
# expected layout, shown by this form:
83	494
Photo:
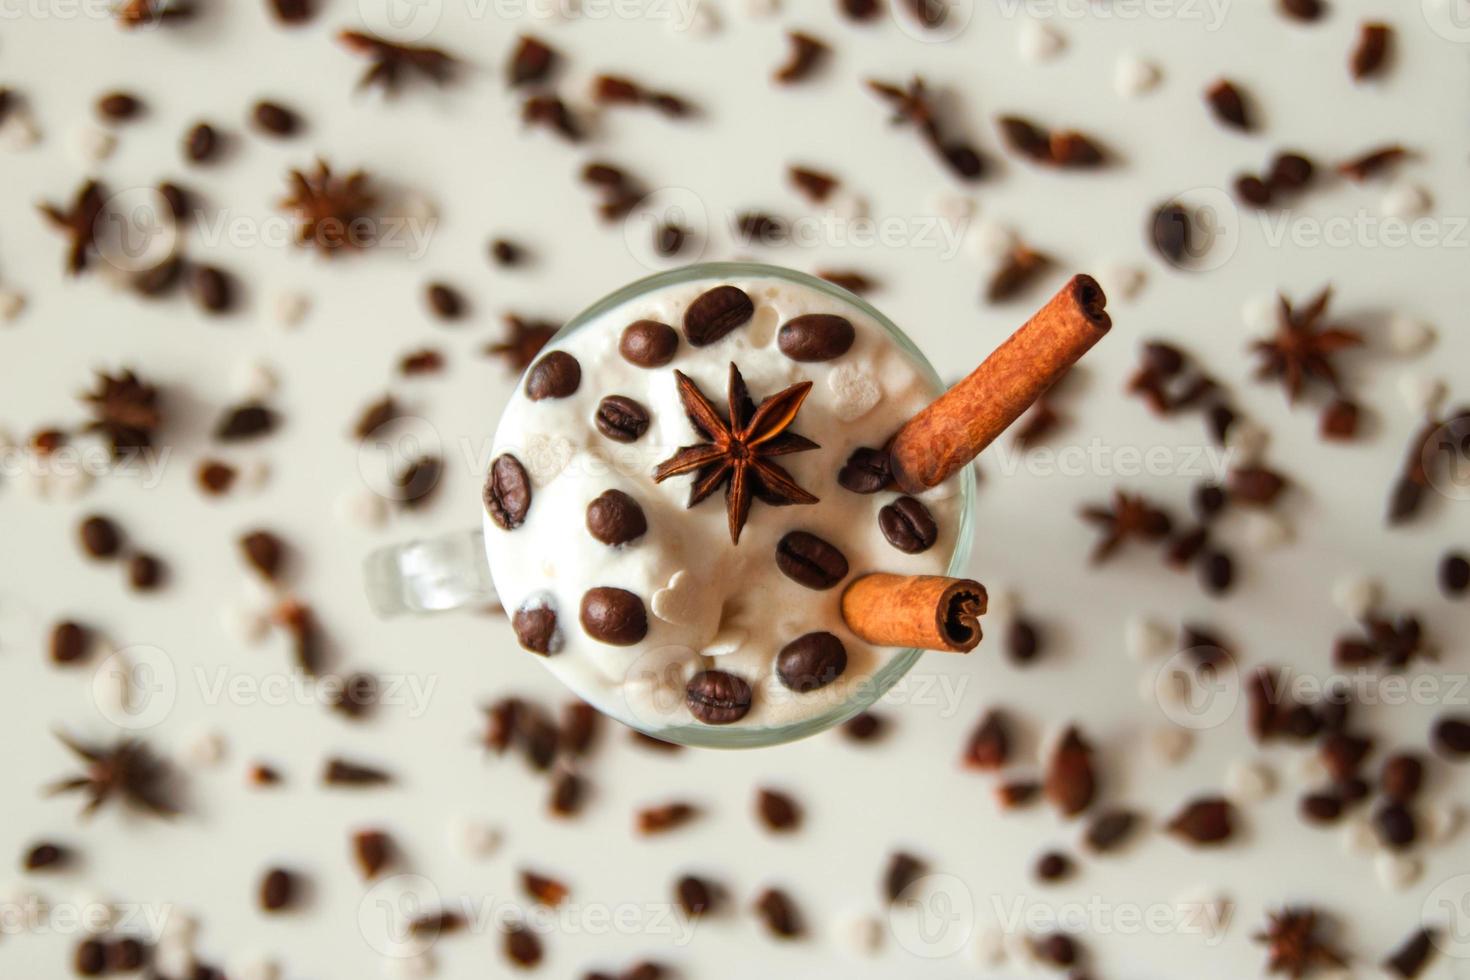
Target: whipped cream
709	604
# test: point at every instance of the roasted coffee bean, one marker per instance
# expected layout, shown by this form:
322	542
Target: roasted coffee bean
246	421
989	747
1402	777
125	955
717	698
69	642
807	559
1321	807
202	143
145	572
447	304
276	119
908	526
811	661
1209	820
45	855
614	616
902	871
214	290
535	626
118	106
1396	826
866	471
1451	736
90	959
277	890
1410	959
1290	172
1053	866
1022	641
265	552
864	726
1217	572
100	537
1171	230
815	337
1110	830
696	896
1454	574
648	343
507	492
556	375
621	419
715	313
777	811
615	518
521	946
568	790
779	913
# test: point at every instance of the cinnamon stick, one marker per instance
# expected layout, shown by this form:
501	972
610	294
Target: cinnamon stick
926	612
964	420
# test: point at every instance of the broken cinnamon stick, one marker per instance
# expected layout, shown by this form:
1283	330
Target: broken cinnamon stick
925	612
964	420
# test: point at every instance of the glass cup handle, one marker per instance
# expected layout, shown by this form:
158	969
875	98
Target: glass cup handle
429	575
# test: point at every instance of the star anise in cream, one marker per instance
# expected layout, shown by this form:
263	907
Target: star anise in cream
124	409
1293	946
390	62
331	211
741	448
1301	350
127	770
79	223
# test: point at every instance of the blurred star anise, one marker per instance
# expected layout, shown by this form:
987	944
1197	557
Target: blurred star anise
1130	516
332	212
740	448
1292	944
1302	347
79	223
391	62
128	770
125	409
523	341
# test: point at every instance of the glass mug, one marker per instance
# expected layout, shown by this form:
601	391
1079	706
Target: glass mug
453	571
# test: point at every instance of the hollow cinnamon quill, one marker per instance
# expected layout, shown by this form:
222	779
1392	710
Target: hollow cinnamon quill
953	430
926	612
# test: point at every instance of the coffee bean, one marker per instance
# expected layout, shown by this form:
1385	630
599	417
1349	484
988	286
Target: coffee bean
1023	641
145	572
1321	807
648	343
908	526
275	118
69	642
815	337
202	143
1217	572
118	106
811	661
614	616
1454	574
1402	777
621	419
45	855
1053	866
777	811
213	289
535	626
807	559
507	492
91	958
100	537
556	375
779	913
1110	830
715	313
1171	230
1451	736
447	304
277	889
1395	825
696	896
125	955
717	698
866	471
615	518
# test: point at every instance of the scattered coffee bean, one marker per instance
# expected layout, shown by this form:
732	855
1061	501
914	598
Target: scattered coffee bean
213	288
372	850
1290	172
717	698
215	478
46	855
90	959
277	890
1070	782
865	726
1015	793
621	419
1217	572
908	526
579	724
447	304
535	626
521	945
556	375
1395	825
1228	104
247	421
276	119
544	890
292	12
1339	421
506	252
815	337
1054	866
1343	754
695	895
265	552
861	10
1454	574
866	471
145	572
126	955
777	811
614	518
1402	777
1410	959
990	744
355	696
1110	830
779	913
666	817
1371	54
1321	808
1022	640
1303	10
902	871
1171	231
714	313
532	61
507	493
568	791
1057	949
119	106
648	343
202	143
614	616
811	661
70	642
1205	821
100	537
810	561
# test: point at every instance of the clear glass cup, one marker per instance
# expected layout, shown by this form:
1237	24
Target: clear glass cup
453	571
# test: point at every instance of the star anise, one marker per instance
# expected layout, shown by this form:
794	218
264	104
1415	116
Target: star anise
140	13
1303	346
127	769
1394	642
79	223
1293	946
740	449
331	212
125	410
1130	516
523	341
390	61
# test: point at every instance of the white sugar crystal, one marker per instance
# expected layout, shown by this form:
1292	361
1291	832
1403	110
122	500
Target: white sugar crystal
990	241
1203	912
863	934
1018	950
414	967
856	392
1266	531
1358	838
254	473
20	130
173	957
546	455
1246	441
257	967
91	144
419	207
179	927
473	837
1249	782
849	205
1170	744
1133	76
360	507
205	749
12	302
678	602
1145	638
254	380
761	9
1407	335
1442	820
953	207
990	948
1356	595
1310	771
1406	201
1396	872
245	623
1040	42
1259	313
290	307
702	22
1421	393
1119	281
